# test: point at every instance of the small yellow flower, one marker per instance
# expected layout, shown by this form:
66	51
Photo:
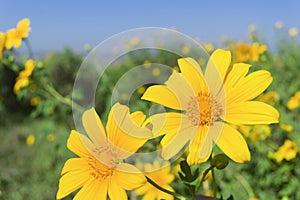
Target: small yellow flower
51	137
2	43
15	36
35	101
257	50
185	50
209	47
160	175
293	32
99	170
135	41
156	71
21	83
279	24
287	151
30	140
286	127
271	96
251	28
244	52
141	90
260	132
294	101
147	64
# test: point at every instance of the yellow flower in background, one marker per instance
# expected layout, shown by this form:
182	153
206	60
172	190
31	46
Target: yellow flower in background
260	132
221	94
209	47
134	41
185	50
293	32
287	151
294	101
35	101
286	127
30	140
244	52
156	71
23	78
51	137
100	171
2	43
271	96
141	89
147	64
15	36
162	176
279	24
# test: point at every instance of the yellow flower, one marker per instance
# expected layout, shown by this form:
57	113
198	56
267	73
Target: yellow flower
51	137
141	90
160	175
23	78
244	52
30	140
256	51
260	132
287	151
294	101
293	32
100	171
271	96
279	24
15	36
20	83
209	47
35	101
2	43
286	127
185	50
135	41
156	71
221	94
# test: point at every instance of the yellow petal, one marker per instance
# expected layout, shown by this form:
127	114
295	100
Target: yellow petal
115	192
129	177
238	71
173	144
71	181
162	95
75	164
232	143
23	27
123	133
193	74
93	190
216	69
249	87
94	127
138	117
79	144
200	147
252	112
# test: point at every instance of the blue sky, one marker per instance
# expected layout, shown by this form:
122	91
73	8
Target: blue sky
56	24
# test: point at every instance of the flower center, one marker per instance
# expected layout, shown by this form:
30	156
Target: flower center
203	109
103	164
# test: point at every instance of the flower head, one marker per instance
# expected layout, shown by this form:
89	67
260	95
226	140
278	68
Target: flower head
100	171
23	78
15	36
162	176
210	104
287	151
2	43
294	101
244	52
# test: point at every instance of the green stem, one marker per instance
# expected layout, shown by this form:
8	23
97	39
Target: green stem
26	41
178	196
214	184
245	184
62	99
203	178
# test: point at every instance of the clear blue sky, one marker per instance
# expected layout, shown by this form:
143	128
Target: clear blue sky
56	24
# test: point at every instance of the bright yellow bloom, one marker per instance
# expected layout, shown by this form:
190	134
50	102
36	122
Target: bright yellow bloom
15	36
293	32
294	101
286	127
23	78
30	140
221	94
287	151
100	171
160	175
2	43
244	52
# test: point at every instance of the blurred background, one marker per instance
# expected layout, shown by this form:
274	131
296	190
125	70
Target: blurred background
37	78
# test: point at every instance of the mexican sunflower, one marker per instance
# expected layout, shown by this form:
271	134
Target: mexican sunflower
100	171
210	104
15	36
